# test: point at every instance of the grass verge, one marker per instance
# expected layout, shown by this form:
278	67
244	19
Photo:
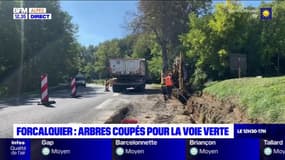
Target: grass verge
264	98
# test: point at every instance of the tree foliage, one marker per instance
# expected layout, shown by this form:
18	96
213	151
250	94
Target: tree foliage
132	46
31	48
233	28
162	29
166	20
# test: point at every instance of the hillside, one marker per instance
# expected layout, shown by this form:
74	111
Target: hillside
261	98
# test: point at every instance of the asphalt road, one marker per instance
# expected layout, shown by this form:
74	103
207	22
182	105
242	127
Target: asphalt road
92	106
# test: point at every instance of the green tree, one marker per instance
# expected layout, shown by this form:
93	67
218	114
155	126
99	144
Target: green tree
105	51
87	61
147	47
272	35
212	37
30	48
232	28
166	20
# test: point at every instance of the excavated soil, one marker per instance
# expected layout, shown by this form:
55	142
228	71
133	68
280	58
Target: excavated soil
199	109
156	110
207	109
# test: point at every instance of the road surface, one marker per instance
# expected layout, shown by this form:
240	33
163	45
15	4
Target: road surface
93	106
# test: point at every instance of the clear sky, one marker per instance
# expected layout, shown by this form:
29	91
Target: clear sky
99	21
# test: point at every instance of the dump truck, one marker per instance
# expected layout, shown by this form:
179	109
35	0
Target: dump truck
128	73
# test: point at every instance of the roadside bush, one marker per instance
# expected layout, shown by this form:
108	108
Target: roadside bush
3	91
198	79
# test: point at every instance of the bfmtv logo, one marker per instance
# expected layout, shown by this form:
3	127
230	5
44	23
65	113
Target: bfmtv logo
31	13
20	13
20	10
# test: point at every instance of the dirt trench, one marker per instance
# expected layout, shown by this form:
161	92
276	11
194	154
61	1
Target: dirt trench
152	109
207	109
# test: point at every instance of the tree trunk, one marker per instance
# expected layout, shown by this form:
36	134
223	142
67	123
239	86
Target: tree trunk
278	64
164	58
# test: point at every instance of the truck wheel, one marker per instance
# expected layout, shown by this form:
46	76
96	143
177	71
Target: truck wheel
122	88
116	88
140	88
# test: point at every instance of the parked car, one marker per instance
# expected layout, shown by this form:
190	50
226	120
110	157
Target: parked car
80	80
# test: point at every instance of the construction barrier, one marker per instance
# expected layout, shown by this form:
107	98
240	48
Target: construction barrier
44	91
73	87
44	88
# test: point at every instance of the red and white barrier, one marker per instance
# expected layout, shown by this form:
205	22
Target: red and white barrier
44	89
73	87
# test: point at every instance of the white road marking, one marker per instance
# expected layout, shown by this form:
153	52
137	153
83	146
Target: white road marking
104	103
115	94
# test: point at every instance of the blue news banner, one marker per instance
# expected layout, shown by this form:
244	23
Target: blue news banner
250	142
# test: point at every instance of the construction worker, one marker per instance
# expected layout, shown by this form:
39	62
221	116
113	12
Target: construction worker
164	90
169	84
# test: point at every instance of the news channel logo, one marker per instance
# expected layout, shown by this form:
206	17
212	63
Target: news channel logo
31	13
265	13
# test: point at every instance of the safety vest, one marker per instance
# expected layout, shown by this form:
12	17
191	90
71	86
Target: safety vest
168	81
